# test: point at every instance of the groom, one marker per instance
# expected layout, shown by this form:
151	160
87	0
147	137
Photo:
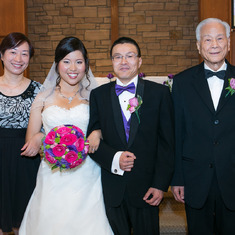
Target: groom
136	153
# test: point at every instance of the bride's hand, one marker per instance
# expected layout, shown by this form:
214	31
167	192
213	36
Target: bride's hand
32	147
94	140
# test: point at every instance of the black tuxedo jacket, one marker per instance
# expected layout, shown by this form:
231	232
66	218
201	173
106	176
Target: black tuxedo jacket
151	141
205	138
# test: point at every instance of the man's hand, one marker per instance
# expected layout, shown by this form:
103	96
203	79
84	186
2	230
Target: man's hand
153	196
178	192
126	161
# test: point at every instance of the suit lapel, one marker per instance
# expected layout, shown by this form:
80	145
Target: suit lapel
117	113
134	120
223	97
201	86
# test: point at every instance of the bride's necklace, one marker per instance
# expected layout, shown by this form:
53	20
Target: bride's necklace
70	98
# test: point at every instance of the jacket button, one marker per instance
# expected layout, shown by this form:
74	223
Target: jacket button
211	165
115	170
216	122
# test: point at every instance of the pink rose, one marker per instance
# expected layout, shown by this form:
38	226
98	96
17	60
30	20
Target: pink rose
132	109
232	83
76	163
59	150
86	148
68	139
50	138
63	130
79	143
78	129
50	158
133	102
71	156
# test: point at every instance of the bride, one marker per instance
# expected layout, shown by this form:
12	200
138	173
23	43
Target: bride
71	201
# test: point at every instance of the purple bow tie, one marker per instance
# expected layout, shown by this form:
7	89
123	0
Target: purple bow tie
120	89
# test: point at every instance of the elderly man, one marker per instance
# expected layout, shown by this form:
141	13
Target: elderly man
136	153
205	133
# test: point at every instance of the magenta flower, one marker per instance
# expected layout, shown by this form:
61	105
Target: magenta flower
50	138
133	101
132	109
68	139
232	83
71	156
76	163
78	129
86	148
79	143
231	87
134	105
63	130
50	158
59	150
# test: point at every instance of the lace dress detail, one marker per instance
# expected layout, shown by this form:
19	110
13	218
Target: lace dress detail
14	110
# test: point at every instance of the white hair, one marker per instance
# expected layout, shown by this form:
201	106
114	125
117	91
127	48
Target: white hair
210	20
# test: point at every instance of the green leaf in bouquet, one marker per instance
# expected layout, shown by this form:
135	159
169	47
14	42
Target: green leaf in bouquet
48	146
58	158
54	167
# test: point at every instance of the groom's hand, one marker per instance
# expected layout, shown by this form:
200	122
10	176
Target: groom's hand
153	196
126	161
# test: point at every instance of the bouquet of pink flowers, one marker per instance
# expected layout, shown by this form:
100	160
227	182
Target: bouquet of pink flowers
65	147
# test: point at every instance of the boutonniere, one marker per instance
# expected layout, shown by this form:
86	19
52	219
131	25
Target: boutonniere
134	105
231	87
169	81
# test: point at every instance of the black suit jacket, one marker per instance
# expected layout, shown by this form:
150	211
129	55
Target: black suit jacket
205	138
151	141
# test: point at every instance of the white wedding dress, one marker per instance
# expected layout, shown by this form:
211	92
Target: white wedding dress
68	202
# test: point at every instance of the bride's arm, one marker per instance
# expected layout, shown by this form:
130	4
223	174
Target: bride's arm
33	134
94	140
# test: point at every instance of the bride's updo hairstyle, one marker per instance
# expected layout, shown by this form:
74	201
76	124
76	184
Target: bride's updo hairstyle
66	46
88	82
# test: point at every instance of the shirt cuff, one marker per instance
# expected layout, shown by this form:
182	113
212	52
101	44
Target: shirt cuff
115	169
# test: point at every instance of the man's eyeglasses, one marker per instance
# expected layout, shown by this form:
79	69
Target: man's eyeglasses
130	57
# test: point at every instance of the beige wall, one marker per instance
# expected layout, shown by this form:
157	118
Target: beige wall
164	30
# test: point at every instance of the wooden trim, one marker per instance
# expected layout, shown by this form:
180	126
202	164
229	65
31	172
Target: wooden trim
114	20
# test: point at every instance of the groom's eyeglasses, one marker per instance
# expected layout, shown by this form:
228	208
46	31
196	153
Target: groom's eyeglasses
130	57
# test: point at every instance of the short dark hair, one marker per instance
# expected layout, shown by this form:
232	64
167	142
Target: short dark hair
123	40
13	40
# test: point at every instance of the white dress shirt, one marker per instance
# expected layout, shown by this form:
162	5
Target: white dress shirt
216	85
124	101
